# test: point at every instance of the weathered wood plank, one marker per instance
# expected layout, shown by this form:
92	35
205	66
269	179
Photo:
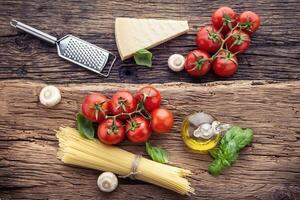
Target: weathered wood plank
274	54
268	169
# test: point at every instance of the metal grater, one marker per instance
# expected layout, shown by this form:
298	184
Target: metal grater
74	49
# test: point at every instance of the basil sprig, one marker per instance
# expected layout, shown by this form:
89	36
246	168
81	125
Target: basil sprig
234	140
85	127
157	154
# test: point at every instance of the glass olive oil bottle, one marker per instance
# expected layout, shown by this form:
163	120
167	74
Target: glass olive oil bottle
202	132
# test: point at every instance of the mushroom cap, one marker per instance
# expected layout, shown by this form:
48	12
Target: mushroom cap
176	62
50	96
107	182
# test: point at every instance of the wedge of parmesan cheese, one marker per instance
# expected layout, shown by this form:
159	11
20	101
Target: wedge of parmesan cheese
135	34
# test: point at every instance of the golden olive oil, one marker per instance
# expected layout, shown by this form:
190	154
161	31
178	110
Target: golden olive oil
199	145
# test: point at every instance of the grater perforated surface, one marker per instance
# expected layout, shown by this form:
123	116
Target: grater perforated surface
83	53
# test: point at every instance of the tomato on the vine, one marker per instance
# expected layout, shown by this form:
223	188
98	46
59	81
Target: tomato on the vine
111	131
239	41
138	129
150	96
225	64
122	102
197	63
209	39
95	106
249	21
224	18
162	120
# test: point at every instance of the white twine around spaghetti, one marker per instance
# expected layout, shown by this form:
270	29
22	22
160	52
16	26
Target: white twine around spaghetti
133	171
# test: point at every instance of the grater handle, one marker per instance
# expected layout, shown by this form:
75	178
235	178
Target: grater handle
33	31
110	67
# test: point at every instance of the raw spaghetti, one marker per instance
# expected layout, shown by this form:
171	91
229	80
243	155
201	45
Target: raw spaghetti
75	150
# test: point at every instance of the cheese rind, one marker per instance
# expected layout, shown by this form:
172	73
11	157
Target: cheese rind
134	34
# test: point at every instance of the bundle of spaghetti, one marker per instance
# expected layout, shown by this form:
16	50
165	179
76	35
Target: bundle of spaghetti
75	150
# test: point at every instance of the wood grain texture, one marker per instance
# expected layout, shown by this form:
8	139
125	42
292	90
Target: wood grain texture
268	169
274	52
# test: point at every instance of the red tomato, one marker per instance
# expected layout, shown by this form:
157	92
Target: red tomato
208	39
111	132
250	21
224	17
122	102
225	64
138	129
93	107
197	63
162	120
239	41
150	96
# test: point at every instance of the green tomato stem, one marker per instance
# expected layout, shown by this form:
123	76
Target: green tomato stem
138	110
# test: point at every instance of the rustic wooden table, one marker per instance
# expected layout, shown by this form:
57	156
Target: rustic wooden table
264	95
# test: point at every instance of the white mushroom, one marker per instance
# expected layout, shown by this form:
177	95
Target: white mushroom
176	62
50	96
107	182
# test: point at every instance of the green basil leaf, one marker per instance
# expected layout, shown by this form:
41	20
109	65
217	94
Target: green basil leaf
85	127
243	138
157	154
225	163
214	152
230	134
216	167
230	151
143	57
